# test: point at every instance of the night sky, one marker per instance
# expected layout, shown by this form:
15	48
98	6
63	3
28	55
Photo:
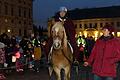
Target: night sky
44	9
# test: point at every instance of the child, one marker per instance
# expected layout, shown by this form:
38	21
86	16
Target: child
29	55
18	52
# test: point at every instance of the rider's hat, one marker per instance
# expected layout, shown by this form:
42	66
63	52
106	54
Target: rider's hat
63	9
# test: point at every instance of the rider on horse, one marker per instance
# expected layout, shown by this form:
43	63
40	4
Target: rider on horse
69	29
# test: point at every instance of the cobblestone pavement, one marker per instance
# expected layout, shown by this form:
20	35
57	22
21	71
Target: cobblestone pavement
84	74
29	75
43	75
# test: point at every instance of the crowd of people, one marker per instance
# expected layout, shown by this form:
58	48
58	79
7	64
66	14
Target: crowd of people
24	53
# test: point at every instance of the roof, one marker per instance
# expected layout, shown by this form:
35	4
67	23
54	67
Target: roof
88	13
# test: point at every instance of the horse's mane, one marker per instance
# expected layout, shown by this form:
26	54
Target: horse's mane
65	47
59	26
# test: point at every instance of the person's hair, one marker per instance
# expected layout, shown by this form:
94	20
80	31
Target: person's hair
109	27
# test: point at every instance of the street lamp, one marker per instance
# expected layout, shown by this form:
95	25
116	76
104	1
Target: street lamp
9	30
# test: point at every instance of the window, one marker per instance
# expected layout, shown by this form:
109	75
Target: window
19	22
101	24
30	23
80	26
12	21
24	2
29	13
6	10
24	22
75	25
12	11
85	26
24	13
106	23
90	25
20	33
19	1
25	32
118	24
112	23
95	25
19	11
0	7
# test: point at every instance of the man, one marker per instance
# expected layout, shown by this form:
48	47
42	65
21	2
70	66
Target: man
105	55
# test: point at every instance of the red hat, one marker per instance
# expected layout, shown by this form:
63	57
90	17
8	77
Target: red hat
109	27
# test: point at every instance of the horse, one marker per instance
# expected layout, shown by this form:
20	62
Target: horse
60	54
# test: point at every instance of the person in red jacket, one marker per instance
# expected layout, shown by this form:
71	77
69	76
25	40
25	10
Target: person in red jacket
70	31
105	55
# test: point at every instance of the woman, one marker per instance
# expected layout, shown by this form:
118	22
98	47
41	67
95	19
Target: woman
105	55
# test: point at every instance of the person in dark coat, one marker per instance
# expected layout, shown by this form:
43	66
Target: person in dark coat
105	54
69	28
90	45
13	41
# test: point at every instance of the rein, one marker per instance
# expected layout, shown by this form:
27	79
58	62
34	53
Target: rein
66	57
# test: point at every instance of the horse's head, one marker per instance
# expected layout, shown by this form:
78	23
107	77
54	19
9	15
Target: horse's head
58	35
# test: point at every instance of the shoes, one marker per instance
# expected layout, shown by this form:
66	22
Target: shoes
18	70
38	71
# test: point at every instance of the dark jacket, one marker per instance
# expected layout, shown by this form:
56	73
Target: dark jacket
105	54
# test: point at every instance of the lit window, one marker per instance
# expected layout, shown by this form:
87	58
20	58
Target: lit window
118	34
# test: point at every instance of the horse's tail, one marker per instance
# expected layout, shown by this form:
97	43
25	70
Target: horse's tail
62	74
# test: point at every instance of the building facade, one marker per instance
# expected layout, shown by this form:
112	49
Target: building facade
89	22
93	27
16	17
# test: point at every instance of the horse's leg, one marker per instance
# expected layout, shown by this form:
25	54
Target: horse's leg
57	72
67	73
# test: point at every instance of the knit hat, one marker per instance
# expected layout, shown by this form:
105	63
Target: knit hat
109	27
